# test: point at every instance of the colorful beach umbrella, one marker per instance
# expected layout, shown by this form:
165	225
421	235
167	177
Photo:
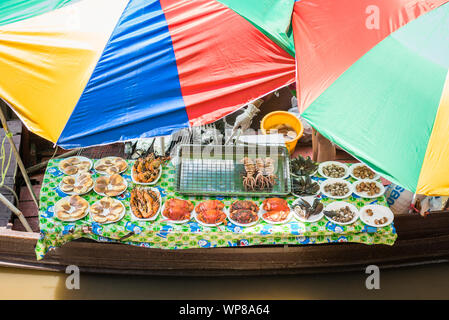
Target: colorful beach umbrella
88	72
373	78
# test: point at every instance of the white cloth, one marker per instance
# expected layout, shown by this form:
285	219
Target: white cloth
244	120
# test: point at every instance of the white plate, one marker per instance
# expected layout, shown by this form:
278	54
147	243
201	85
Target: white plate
312	195
105	173
331	181
158	211
351	171
120	218
379	212
175	221
325	164
104	195
262	211
69	220
244	224
81	158
364	194
339	204
313	218
225	210
146	183
72	193
298	176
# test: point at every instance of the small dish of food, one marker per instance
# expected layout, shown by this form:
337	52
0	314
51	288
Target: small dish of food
71	208
286	130
361	171
111	186
336	188
145	203
177	210
210	213
301	166
342	213
305	186
275	211
368	189
376	215
333	170
111	165
74	165
107	210
78	184
147	170
244	213
308	209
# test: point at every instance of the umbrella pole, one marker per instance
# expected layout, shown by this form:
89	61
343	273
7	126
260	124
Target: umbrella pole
17	212
18	158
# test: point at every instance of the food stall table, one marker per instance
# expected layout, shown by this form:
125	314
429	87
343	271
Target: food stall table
165	235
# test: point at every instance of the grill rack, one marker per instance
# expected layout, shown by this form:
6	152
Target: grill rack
217	169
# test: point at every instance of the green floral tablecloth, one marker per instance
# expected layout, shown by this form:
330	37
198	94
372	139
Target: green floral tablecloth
160	234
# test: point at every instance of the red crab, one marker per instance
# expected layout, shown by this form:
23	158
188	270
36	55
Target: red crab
244	211
211	212
178	209
277	209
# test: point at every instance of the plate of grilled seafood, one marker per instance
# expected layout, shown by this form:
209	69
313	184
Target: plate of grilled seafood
342	213
308	209
147	170
301	166
333	170
361	171
71	208
145	203
210	213
336	188
74	165
368	189
305	186
244	213
111	186
107	210
78	184
376	215
177	210
111	165
276	211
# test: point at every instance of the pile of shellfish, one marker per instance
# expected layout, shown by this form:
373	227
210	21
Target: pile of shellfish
74	165
71	208
178	209
147	169
110	185
106	210
145	203
210	212
78	184
111	165
244	211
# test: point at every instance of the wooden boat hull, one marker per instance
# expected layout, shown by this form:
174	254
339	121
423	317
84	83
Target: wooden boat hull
421	240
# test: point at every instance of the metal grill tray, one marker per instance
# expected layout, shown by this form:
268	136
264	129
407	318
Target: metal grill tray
217	170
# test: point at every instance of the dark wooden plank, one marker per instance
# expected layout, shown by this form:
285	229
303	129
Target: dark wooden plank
25	193
33	222
28	208
15	127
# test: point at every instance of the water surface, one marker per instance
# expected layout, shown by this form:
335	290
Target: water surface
420	282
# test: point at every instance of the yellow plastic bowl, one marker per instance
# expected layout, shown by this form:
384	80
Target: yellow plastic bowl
283	117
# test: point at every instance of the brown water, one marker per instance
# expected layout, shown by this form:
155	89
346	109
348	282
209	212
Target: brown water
421	282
